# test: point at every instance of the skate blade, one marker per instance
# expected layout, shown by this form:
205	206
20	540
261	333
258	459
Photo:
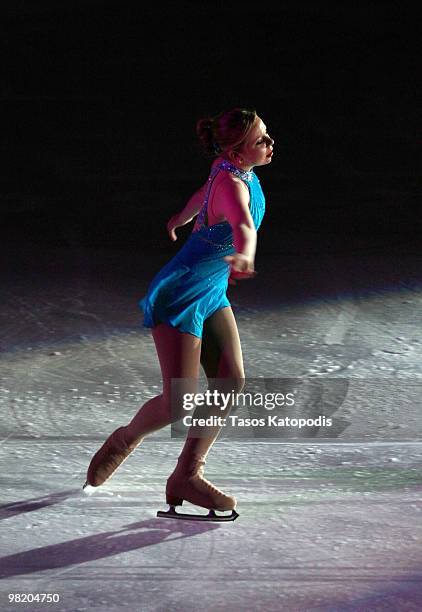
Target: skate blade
211	516
88	489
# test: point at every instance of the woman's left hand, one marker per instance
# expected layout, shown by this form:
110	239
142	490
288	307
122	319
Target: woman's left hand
172	224
234	276
241	267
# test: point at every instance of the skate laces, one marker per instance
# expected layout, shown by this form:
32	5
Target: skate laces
212	487
119	443
200	473
113	449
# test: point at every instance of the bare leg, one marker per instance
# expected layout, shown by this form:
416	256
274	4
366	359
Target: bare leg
221	357
179	357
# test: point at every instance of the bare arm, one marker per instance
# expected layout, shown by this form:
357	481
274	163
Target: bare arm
193	206
186	215
234	203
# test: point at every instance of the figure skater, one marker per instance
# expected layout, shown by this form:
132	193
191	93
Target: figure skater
186	303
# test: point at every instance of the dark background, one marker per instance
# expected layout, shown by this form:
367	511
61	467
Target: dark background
100	98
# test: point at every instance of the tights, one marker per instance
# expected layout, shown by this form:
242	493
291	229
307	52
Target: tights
180	355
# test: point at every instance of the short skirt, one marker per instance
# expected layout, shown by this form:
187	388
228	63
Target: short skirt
189	288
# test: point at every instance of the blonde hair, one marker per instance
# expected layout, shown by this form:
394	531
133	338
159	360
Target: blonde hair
227	130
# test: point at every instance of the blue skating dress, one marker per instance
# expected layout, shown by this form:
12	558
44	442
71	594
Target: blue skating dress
193	284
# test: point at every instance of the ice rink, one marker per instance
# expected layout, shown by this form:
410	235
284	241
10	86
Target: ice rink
324	525
101	101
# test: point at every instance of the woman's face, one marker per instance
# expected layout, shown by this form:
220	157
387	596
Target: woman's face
257	150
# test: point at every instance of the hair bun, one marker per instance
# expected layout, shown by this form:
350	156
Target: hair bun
207	124
205	133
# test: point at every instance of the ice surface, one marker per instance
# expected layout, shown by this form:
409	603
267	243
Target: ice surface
324	525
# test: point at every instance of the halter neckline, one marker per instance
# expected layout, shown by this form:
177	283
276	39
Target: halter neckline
246	175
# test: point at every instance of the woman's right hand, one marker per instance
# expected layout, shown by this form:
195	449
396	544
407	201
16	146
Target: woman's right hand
242	267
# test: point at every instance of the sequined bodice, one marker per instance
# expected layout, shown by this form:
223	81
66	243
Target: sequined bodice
221	233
